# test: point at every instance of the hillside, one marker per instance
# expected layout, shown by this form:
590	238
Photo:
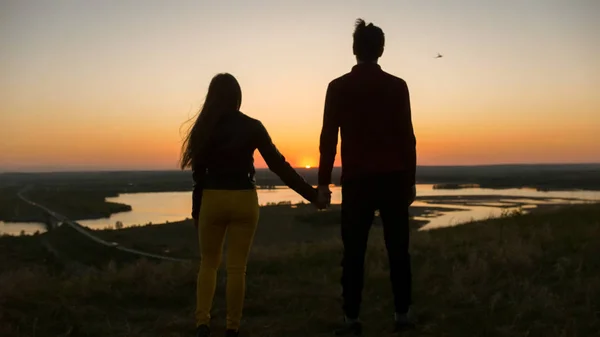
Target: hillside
530	275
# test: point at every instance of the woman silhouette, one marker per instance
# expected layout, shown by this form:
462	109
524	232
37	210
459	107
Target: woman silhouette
219	149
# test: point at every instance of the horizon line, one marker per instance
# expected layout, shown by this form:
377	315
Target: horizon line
34	171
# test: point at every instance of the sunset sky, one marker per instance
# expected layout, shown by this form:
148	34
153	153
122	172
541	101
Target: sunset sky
108	84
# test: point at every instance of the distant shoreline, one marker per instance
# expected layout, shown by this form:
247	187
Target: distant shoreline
454	186
79	194
545	177
476	166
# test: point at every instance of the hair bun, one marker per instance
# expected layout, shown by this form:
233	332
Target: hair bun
360	23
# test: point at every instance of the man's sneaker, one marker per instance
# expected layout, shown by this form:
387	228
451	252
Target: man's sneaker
353	328
203	331
232	333
403	323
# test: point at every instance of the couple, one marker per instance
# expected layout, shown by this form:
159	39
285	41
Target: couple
371	109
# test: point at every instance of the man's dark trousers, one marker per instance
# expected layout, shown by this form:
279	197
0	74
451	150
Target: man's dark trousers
361	197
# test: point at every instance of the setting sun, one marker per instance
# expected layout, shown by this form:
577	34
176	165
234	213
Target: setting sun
118	106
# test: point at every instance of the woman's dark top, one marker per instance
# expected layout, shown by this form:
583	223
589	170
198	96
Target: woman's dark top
228	160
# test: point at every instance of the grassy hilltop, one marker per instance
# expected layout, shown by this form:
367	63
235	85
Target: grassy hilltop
529	275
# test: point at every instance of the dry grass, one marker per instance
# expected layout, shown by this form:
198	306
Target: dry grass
530	275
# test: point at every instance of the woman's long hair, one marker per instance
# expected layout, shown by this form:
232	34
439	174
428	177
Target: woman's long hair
224	95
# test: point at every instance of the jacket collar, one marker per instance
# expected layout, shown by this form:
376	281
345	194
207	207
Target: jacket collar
366	67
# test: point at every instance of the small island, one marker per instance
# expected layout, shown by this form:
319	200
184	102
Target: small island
454	186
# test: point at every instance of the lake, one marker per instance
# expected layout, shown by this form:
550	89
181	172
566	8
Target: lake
467	204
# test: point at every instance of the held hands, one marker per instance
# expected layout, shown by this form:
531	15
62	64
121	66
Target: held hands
323	197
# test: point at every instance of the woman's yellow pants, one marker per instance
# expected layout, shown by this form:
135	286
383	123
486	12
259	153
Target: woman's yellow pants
235	213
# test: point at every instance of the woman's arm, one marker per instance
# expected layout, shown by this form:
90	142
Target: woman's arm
278	164
198	173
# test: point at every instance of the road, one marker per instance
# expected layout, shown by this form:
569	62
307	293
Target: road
83	231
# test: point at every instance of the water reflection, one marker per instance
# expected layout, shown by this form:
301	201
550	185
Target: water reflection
19	228
467	214
175	206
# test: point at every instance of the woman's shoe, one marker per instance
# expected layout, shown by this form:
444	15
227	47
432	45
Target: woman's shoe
203	331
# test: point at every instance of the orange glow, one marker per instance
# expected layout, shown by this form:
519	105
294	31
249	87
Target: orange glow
308	162
153	148
76	93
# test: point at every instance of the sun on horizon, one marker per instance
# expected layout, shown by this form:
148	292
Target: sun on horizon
96	101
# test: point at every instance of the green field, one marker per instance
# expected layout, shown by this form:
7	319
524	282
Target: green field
529	275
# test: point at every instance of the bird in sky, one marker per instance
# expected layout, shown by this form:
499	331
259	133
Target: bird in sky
439	56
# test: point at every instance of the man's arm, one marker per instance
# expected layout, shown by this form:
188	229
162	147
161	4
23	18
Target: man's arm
329	138
410	140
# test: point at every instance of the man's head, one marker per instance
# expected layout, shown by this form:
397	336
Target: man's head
368	42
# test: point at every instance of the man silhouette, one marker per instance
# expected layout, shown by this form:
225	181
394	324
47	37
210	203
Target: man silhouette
371	109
